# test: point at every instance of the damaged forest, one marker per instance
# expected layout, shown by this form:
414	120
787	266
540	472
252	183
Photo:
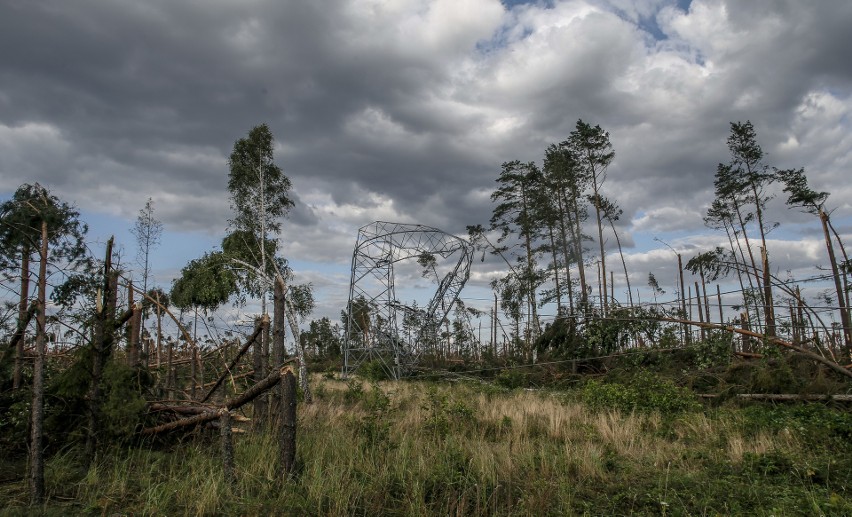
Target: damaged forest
571	391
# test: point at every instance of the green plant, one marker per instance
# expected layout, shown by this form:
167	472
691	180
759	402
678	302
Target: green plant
643	392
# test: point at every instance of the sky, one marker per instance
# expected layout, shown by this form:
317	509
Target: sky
404	111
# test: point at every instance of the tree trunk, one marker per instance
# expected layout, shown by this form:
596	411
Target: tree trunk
555	269
841	298
300	352
131	352
700	310
623	264
605	305
227	446
22	311
250	394
159	331
37	426
100	352
257	363
279	329
257	331
288	424
135	335
767	293
687	332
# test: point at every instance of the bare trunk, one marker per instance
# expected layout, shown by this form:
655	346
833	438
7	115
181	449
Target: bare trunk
101	345
555	269
279	328
17	376
159	331
37	426
767	293
227	446
300	353
288	424
600	243
566	256
841	298
623	264
257	363
700	310
687	332
769	307
135	335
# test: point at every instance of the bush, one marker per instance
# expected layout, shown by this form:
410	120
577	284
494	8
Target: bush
644	392
374	371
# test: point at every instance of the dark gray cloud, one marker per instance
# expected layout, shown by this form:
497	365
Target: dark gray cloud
406	110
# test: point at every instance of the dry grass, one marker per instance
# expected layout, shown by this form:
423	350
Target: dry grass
414	448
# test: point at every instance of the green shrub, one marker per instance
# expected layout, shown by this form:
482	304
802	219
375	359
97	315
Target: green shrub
644	392
373	371
511	379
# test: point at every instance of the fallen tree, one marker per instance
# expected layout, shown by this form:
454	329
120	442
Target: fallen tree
208	413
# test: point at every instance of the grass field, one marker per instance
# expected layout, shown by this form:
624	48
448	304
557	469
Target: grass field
421	448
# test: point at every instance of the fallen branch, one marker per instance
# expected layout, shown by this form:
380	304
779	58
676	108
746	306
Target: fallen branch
749	355
773	340
234	362
784	397
250	394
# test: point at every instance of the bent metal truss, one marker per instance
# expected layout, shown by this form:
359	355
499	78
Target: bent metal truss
374	315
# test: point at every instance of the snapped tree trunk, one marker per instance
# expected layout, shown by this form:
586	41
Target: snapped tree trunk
259	406
279	329
100	352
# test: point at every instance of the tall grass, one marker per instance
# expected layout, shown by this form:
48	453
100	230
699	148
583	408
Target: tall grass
411	448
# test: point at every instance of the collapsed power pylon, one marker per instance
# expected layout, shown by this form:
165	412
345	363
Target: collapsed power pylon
374	316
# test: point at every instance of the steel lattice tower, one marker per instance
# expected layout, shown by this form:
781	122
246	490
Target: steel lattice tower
375	316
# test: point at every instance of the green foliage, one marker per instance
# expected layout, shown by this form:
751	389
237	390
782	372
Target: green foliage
205	283
241	253
20	226
818	424
644	392
375	425
124	403
512	378
251	159
443	415
374	371
713	351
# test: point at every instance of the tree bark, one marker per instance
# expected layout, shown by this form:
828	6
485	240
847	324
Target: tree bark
250	394
841	298
288	424
700	311
18	336
259	413
135	335
37	428
22	315
279	329
227	446
100	351
300	352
